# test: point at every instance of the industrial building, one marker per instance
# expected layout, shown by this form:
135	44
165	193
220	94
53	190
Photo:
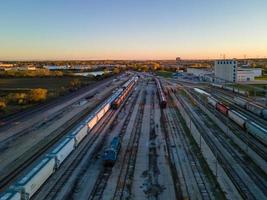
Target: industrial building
226	70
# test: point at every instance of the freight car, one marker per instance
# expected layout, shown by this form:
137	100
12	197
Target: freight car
212	101
232	89
252	127
162	97
252	107
111	153
62	151
222	108
37	176
257	131
127	88
79	133
202	92
237	118
11	195
241	102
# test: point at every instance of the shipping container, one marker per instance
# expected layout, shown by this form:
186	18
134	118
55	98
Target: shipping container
32	181
10	195
254	108
62	150
212	101
257	131
240	101
222	108
237	118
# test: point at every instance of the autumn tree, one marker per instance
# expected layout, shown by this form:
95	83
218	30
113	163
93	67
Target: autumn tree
39	94
2	105
75	83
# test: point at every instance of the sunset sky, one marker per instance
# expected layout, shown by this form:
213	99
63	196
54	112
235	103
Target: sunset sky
132	29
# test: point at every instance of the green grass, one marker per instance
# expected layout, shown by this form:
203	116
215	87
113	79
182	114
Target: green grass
165	74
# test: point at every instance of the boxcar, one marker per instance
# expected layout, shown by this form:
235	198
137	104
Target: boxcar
237	118
222	108
32	181
254	108
240	101
212	101
257	131
10	195
61	152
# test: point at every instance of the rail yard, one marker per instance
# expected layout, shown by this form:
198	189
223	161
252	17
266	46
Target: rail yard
138	136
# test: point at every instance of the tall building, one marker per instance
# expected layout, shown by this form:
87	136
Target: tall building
226	70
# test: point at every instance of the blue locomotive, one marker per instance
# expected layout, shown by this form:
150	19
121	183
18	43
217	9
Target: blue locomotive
111	153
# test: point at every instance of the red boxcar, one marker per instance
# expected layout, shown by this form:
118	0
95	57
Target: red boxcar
222	108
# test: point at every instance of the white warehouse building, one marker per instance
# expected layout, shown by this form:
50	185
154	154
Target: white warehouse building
228	70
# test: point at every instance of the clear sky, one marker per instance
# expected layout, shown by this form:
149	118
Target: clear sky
132	29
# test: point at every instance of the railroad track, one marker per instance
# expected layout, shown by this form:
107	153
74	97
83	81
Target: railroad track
126	173
74	160
178	136
196	168
227	165
247	138
23	162
153	189
105	173
245	112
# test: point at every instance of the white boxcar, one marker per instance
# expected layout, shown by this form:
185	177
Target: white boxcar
202	92
93	121
216	85
212	101
237	118
11	195
79	133
107	107
240	101
32	181
254	108
62	151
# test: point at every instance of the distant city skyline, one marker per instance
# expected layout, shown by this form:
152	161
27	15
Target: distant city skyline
135	30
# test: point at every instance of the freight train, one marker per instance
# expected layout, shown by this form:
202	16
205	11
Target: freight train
232	89
252	107
253	128
110	154
162	97
30	183
128	86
